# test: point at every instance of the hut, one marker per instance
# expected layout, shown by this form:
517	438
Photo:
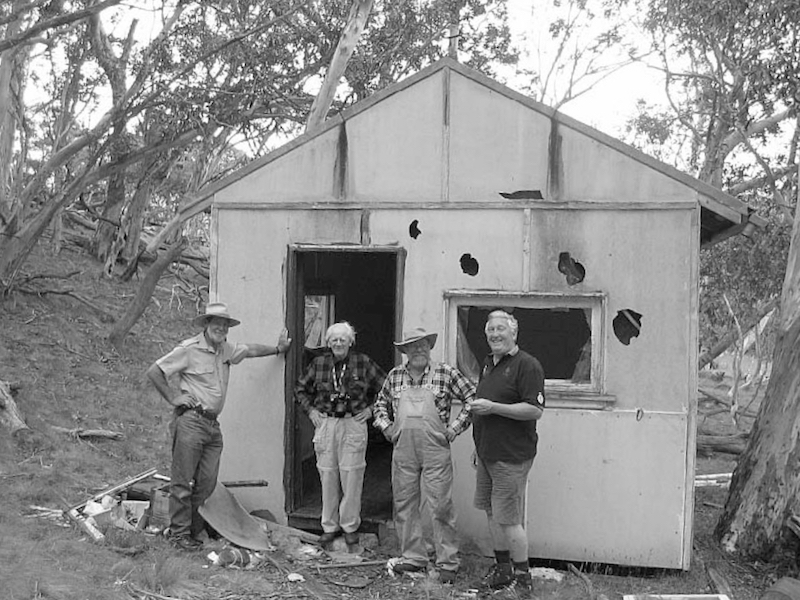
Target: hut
429	204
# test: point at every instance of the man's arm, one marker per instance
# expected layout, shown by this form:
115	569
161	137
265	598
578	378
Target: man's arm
159	380
460	388
256	350
521	411
382	409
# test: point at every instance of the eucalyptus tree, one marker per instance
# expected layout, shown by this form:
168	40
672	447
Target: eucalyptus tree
123	101
731	75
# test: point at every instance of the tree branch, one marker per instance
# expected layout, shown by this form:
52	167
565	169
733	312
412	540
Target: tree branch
58	21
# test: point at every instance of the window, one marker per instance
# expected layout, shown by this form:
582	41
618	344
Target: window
564	332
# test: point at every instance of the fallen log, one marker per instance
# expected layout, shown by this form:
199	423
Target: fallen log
10	416
727	444
89	433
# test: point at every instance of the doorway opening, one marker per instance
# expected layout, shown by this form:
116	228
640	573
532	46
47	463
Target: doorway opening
327	285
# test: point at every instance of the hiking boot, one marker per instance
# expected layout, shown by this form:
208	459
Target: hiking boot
447	576
499	576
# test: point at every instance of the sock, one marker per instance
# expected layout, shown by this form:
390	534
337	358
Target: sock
502	556
521	567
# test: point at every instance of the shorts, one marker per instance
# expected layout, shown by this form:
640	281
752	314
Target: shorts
500	490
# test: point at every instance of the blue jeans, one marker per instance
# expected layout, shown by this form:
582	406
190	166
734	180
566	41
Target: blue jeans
196	451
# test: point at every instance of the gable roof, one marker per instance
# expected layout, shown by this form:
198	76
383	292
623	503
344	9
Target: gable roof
721	214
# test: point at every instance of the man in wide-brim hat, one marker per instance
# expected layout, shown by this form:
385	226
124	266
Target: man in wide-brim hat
413	412
202	364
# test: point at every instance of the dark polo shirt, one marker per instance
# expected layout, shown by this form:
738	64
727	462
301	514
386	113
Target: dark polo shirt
518	377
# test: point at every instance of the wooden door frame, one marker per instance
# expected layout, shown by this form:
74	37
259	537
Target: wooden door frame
294	285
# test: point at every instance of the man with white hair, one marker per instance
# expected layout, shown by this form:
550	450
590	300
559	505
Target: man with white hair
202	364
337	392
510	399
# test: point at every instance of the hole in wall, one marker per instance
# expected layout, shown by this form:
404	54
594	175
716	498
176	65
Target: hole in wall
627	325
523	195
469	265
571	268
413	230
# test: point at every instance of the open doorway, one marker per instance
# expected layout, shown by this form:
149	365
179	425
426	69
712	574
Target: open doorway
326	285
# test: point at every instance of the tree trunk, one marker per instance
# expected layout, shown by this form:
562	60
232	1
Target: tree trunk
766	481
356	21
145	292
10	64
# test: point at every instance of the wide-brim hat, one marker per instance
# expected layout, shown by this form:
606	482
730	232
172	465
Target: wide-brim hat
414	335
215	309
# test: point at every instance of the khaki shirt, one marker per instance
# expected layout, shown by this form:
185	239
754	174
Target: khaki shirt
203	372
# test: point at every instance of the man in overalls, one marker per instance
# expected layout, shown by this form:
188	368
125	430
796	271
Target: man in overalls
413	412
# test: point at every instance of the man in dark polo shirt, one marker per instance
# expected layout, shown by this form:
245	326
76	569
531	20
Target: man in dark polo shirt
510	399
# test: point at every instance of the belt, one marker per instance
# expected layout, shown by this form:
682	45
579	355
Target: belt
206	414
338	415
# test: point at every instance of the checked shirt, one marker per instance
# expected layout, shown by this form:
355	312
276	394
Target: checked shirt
447	384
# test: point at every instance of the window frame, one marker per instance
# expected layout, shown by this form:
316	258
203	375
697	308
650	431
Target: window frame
558	392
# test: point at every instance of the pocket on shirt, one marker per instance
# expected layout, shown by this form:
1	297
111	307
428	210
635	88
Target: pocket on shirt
202	364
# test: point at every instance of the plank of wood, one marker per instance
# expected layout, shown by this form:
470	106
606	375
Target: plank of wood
116	488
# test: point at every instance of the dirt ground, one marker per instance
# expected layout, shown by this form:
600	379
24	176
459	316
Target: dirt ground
53	349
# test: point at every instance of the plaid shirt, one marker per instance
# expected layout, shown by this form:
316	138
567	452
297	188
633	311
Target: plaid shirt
360	383
448	384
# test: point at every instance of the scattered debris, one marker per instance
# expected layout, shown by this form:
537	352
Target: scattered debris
234	557
352	564
355	581
586	581
719	583
713	480
80	433
295	578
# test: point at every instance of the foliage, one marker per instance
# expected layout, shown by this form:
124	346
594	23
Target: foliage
206	85
573	45
748	272
732	90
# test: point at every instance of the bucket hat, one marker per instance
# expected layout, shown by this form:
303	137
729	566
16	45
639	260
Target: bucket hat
414	335
215	309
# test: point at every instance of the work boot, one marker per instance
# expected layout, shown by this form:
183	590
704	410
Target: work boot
327	537
186	542
518	588
499	575
351	538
